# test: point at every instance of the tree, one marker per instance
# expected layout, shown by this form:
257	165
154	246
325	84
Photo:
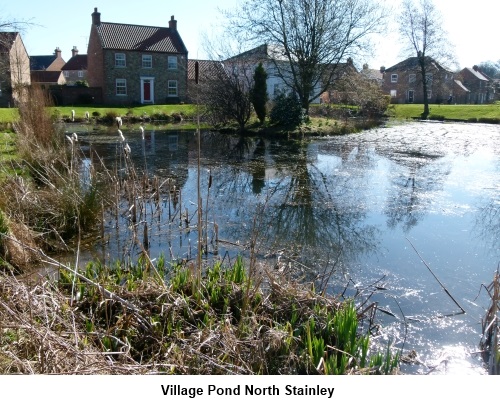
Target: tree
309	37
492	69
423	36
225	93
259	92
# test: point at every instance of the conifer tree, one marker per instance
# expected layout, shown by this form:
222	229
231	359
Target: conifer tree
259	92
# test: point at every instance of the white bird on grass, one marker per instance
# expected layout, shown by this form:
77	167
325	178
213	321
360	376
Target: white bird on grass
87	116
122	138
119	121
72	115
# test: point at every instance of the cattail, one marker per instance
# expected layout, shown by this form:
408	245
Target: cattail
87	116
118	122
122	138
74	137
142	131
72	115
69	139
127	149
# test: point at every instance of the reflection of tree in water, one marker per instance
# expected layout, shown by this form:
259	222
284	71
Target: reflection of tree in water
299	209
410	194
487	224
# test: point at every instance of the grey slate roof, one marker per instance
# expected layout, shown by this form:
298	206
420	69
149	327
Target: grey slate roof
41	62
129	37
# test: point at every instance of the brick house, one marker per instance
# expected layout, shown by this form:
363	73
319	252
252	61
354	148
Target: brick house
403	82
14	68
49	63
479	85
136	64
75	69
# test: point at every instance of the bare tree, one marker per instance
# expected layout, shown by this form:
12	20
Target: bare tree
309	37
423	36
225	93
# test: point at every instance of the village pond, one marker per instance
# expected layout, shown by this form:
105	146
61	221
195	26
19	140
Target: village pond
405	216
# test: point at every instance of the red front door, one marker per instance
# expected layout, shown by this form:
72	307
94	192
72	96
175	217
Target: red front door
147	90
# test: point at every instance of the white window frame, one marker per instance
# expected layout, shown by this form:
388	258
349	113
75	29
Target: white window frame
172	62
147	61
66	73
412	78
121	87
429	94
80	73
172	86
120	60
429	77
394	93
394	78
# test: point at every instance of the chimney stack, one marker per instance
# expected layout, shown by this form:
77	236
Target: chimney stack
96	17
74	51
172	24
57	52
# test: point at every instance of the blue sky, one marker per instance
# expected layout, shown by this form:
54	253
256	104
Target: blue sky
64	24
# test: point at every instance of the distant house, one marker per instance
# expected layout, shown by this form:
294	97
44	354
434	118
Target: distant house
75	69
14	68
374	75
136	63
346	75
52	62
403	82
274	63
47	78
46	69
480	86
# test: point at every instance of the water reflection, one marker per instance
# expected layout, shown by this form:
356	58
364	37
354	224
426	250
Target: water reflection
345	203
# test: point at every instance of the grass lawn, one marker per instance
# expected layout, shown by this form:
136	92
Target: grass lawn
10	114
168	109
453	112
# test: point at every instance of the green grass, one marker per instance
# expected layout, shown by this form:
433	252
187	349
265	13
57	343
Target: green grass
8	115
464	112
168	109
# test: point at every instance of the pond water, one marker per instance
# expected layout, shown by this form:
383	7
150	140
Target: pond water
407	216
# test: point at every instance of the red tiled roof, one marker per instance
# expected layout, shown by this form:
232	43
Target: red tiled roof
129	37
77	62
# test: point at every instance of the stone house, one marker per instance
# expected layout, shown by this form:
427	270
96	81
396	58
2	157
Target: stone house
75	69
14	68
136	64
403	82
480	86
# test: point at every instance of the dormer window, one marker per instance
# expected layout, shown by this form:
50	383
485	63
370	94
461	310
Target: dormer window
120	60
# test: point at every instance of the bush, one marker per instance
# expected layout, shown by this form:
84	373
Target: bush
287	111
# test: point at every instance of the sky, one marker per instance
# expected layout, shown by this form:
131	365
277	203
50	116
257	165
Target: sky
472	26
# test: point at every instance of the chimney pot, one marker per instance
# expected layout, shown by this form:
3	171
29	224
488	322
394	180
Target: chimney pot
96	17
74	51
172	24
